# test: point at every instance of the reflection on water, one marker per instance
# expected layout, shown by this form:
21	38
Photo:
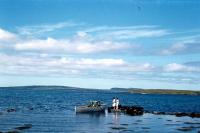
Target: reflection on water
91	115
115	118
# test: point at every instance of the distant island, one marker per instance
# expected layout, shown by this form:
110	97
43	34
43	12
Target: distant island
51	87
115	89
155	91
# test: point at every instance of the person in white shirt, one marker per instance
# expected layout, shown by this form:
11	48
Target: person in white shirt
114	103
117	103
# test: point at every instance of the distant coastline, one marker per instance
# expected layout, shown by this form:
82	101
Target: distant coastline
156	91
50	87
115	89
41	87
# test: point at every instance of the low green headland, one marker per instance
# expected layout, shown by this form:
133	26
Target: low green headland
156	91
116	89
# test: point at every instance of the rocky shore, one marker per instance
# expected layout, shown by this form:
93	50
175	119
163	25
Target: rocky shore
137	110
19	128
130	110
177	114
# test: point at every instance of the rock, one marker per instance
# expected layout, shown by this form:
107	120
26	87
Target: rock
13	131
169	120
131	110
172	124
124	124
25	126
181	114
11	110
195	115
127	130
161	113
135	110
30	108
18	129
185	129
198	123
118	128
146	128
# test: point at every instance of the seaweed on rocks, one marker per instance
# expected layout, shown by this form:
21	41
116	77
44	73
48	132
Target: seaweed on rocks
13	131
130	110
25	126
193	115
118	128
11	110
185	129
177	114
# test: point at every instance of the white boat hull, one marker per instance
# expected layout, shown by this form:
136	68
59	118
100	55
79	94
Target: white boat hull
86	109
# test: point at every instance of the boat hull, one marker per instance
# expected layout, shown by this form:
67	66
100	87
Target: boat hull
86	109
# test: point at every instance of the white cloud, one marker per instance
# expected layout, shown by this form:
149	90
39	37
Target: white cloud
6	36
175	48
80	43
71	46
61	66
183	47
128	32
88	63
99	68
174	67
138	30
41	29
40	45
133	34
47	57
93	40
102	46
116	28
82	34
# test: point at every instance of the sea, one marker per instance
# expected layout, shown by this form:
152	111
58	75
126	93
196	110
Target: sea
52	109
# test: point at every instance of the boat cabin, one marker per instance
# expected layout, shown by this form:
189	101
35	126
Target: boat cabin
94	104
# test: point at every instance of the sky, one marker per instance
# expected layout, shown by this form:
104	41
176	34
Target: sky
100	43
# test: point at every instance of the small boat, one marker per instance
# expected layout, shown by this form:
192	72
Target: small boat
93	106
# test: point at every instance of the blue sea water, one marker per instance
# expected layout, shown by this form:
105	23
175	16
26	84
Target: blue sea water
52	110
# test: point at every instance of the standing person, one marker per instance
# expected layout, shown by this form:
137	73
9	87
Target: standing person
114	103
117	104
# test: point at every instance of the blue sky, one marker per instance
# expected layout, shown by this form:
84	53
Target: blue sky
100	43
